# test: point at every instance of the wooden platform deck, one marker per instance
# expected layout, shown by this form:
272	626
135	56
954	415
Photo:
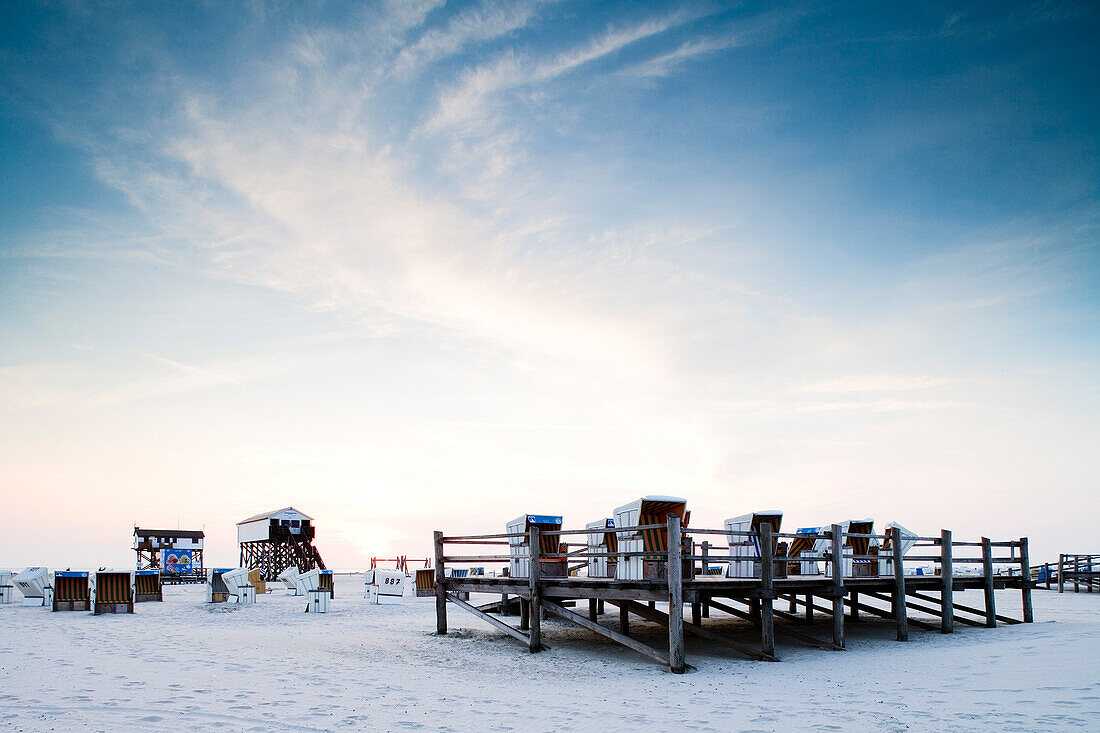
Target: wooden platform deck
750	598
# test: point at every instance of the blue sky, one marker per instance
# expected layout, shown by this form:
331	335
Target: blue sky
411	266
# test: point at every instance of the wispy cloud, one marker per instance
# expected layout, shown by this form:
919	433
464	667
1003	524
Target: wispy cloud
467	100
667	63
484	23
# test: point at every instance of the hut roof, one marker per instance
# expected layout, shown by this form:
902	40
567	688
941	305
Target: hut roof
268	515
193	534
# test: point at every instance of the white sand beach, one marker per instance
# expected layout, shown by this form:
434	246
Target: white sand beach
187	665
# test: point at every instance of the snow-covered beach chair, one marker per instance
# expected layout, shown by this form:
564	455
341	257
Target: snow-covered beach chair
425	582
810	546
147	586
602	540
35	585
216	591
857	546
289	578
237	587
648	510
519	562
71	591
7	587
388	588
325	582
112	591
908	539
745	549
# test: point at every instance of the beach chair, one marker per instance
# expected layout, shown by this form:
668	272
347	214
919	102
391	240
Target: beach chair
807	544
289	578
238	588
36	586
7	587
603	542
425	582
71	591
519	562
216	592
908	539
147	586
388	588
256	580
324	582
317	598
857	546
649	510
745	549
112	591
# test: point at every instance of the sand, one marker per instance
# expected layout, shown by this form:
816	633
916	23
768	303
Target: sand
187	665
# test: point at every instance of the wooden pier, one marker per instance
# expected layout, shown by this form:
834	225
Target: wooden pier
1080	570
684	583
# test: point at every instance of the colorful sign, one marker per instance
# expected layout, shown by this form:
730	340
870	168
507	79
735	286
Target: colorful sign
176	561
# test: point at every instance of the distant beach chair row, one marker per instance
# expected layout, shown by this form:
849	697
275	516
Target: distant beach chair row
98	591
615	549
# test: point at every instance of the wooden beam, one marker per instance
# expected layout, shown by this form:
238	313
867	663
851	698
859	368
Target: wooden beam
652	614
1025	582
767	618
916	607
535	616
675	569
899	586
838	586
615	636
987	578
882	613
947	576
968	609
706	572
440	587
514	633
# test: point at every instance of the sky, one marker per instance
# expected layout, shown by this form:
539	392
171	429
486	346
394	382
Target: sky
410	266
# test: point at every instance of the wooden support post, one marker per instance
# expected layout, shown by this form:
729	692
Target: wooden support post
697	613
593	610
1061	573
599	607
899	586
1025	582
706	572
987	577
754	609
535	619
947	578
503	604
624	620
838	586
524	615
675	596
853	606
809	609
440	587
767	567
